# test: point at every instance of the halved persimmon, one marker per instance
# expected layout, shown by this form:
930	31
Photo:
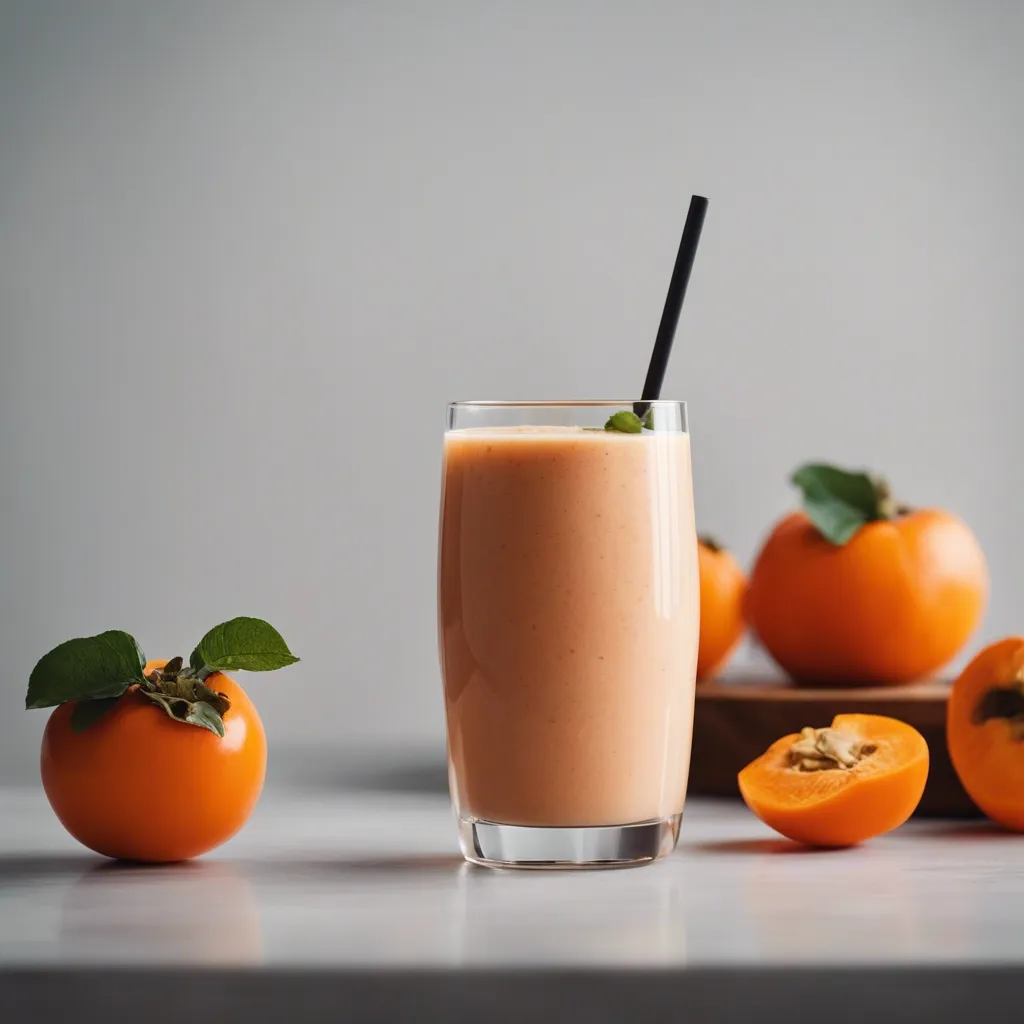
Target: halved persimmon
837	786
985	731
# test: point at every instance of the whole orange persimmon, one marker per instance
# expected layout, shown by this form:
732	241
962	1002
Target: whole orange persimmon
859	589
722	584
154	761
985	731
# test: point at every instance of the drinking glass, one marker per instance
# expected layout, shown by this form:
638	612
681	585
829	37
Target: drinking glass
568	608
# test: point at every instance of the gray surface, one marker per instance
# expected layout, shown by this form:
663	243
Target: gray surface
310	224
372	880
351	900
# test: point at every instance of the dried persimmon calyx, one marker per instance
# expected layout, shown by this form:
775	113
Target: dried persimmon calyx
94	672
826	749
185	697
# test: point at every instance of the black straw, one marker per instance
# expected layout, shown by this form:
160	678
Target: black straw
674	301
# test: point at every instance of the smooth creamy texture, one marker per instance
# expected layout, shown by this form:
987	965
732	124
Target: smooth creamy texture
568	603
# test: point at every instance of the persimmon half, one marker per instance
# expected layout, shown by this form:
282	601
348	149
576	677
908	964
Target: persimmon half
985	731
138	785
857	589
838	786
722	584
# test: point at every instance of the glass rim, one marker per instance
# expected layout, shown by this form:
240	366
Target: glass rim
567	403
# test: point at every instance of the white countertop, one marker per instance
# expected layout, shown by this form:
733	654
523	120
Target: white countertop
371	879
375	878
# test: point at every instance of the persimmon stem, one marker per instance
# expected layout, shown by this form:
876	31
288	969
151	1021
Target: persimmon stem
174	686
887	507
711	542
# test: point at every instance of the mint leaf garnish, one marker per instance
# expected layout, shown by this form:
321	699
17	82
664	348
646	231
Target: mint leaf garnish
243	643
625	422
86	668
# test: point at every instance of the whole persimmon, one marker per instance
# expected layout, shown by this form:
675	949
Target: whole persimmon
858	589
154	761
837	786
721	607
985	731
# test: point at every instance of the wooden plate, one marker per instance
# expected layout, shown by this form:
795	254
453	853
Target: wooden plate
736	721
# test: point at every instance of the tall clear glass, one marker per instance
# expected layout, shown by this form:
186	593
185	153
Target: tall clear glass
568	608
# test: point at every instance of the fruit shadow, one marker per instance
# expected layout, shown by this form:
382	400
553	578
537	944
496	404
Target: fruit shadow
971	831
759	847
18	868
24	868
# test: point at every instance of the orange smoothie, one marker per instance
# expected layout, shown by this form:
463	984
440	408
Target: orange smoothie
568	610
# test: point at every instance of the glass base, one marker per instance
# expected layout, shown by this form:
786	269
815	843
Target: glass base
493	845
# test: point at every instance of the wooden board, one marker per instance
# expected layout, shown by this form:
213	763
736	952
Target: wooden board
736	721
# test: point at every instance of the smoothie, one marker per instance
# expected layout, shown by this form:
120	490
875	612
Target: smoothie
568	610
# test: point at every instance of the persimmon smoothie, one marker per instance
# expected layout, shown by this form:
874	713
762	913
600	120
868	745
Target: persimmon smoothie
568	597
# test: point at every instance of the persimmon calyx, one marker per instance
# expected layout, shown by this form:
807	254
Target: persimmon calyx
886	506
94	672
185	697
1004	701
826	749
840	501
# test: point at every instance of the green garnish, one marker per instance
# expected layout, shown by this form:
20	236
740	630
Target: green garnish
625	422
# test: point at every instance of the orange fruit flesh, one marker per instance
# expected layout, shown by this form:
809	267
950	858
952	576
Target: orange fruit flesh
841	806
